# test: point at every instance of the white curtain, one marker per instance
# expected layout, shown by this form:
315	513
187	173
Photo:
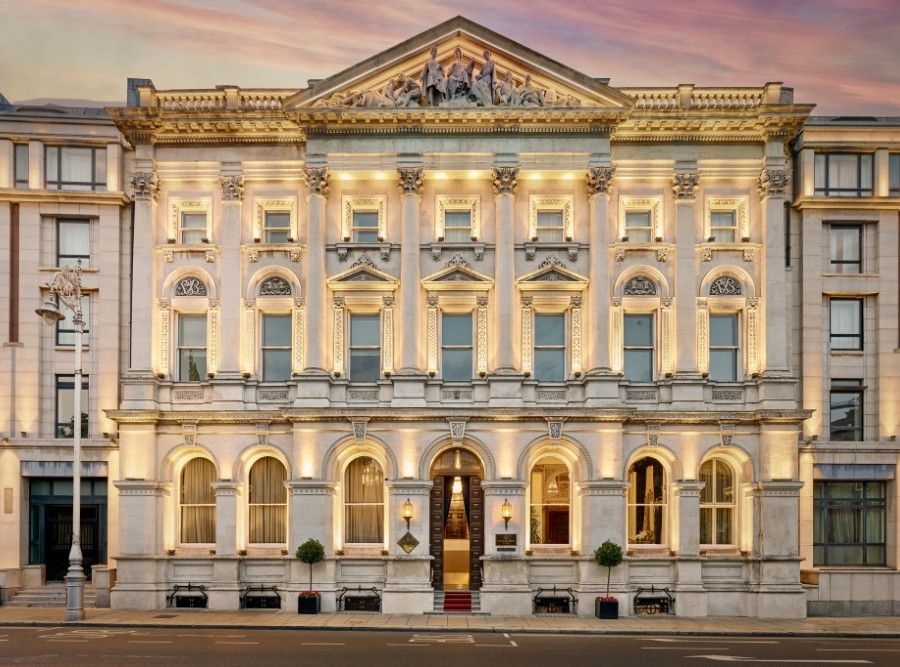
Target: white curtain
198	502
268	502
364	502
77	165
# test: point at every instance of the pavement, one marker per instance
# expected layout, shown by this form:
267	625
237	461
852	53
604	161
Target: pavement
857	626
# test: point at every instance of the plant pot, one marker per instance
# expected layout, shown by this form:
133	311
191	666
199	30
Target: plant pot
309	604
606	609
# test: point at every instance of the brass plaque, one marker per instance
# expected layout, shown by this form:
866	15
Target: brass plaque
408	542
507	540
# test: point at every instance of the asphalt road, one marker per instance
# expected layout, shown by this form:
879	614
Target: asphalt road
117	646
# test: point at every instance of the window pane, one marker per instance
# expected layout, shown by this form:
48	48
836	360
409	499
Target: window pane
820	171
21	160
65	406
364	330
550	329
842	171
706	525
550	226
865	172
723	525
723	365
456	365
549	365
724	483
77	165
365	365
457	219
637	226
723	330
456	329
278	220
51	166
65	328
100	166
894	173
722	226
706	476
364	501
73	242
846	324
639	330
365	226
638	365
192	365
192	330
276	365
845	249
277	330
846	415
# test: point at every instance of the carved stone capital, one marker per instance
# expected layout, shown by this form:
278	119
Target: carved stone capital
410	180
600	180
505	180
773	182
317	180
685	183
232	187
144	185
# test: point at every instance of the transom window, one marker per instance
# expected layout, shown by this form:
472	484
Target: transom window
846	324
550	347
276	348
647	502
723	226
65	406
20	157
458	226
843	174
724	350
849	523
846	248
198	502
638	341
268	502
550	226
73	242
191	348
364	227
364	502
846	410
717	500
456	347
365	347
75	168
550	499
193	228
65	328
277	227
639	226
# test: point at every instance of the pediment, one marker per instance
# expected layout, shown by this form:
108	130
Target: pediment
458	276
522	78
362	276
550	275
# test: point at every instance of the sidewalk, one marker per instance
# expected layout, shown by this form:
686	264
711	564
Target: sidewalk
858	626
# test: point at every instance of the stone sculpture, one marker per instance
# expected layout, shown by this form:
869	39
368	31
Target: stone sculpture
433	82
483	86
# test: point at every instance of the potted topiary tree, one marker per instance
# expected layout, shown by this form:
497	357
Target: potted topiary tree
608	555
310	552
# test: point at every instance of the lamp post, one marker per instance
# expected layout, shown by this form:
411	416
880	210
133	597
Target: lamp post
65	286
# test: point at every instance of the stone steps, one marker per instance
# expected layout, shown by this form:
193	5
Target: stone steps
457	602
50	595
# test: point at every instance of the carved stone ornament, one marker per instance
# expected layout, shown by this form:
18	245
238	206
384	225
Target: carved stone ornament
232	187
599	180
640	286
505	180
705	254
457	429
550	261
275	286
725	286
359	429
620	254
457	261
191	286
554	428
685	183
364	260
317	180
144	184
410	180
408	543
773	182
662	254
189	431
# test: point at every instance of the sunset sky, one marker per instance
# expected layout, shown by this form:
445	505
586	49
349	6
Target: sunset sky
843	55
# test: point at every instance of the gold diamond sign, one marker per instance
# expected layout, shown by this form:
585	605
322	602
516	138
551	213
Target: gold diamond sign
408	542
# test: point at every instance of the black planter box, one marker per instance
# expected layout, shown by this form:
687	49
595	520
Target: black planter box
309	605
606	609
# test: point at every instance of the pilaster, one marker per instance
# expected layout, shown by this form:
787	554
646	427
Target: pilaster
773	183
603	512
226	517
144	188
229	234
310	511
599	187
685	182
495	494
139	501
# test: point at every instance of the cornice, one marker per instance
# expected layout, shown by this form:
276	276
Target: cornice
62	197
848	203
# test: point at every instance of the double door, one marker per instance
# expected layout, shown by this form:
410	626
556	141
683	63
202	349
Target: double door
457	531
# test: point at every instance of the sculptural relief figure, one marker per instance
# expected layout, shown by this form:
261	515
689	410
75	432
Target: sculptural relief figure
409	93
459	78
507	95
433	81
529	95
483	86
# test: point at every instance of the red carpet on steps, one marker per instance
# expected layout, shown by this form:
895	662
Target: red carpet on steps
457	601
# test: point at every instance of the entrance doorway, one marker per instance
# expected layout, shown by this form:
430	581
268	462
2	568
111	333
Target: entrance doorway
457	520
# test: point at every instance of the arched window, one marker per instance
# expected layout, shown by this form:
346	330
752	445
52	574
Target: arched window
198	502
647	502
364	502
550	499
268	502
717	502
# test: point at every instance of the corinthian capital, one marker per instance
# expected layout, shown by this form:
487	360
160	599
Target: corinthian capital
232	187
685	183
599	180
505	180
317	180
144	184
410	180
773	182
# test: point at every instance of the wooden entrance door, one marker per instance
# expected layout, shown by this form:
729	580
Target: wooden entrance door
439	504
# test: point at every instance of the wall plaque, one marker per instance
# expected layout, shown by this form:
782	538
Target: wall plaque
505	541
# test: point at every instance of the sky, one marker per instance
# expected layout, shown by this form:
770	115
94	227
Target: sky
843	55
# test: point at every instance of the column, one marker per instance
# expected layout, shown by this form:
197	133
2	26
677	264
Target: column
773	183
685	182
230	272
505	181
599	186
144	186
314	270
505	588
226	517
410	179
407	587
686	540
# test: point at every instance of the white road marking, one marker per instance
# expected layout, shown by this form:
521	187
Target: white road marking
513	643
506	634
685	648
886	650
68	641
442	639
740	658
711	640
216	636
409	645
242	643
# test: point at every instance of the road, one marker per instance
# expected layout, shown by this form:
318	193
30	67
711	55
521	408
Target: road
117	646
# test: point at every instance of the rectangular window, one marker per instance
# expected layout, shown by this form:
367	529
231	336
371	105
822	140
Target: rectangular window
277	227
846	324
849	523
65	406
846	410
639	226
550	347
550	226
843	174
894	172
457	226
75	168
787	234
193	228
723	348
365	227
65	328
723	226
639	348
846	248
456	347
276	348
73	242
365	348
191	348
21	166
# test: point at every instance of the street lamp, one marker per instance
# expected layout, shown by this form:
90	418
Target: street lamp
65	286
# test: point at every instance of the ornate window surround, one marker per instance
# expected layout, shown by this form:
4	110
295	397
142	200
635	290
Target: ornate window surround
445	203
167	311
661	305
179	205
747	306
262	205
642	204
738	204
564	203
253	308
351	203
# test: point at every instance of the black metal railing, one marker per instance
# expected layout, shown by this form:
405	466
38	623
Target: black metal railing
546	601
187	595
260	597
653	601
369	602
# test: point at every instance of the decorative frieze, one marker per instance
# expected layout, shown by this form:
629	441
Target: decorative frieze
600	180
431	326
275	286
667	335
191	286
616	326
773	182
685	184
410	180
232	187
640	395
753	336
505	180
317	180
272	395
248	337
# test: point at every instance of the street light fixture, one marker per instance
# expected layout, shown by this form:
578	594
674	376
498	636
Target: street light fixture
65	286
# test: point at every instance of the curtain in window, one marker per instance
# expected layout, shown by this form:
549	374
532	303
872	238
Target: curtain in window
646	502
364	502
198	502
268	502
77	165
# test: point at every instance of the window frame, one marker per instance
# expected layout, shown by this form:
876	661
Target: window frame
714	505
179	347
737	347
848	387
181	505
445	204
19	183
263	348
86	259
832	336
561	204
821	502
286	230
548	459
346	504
264	506
470	347
352	205
564	347
846	226
68	320
858	191
350	346
63	381
651	348
192	230
59	184
894	174
663	505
